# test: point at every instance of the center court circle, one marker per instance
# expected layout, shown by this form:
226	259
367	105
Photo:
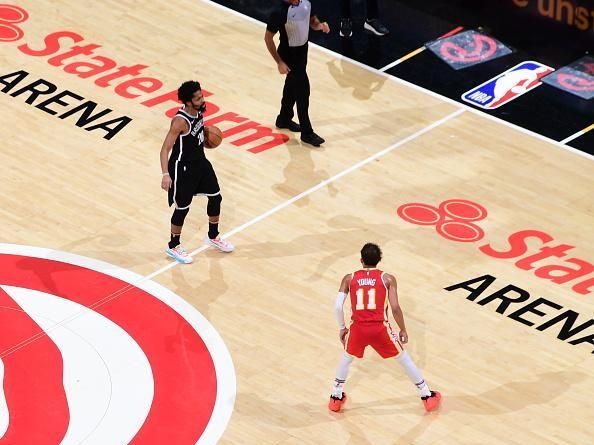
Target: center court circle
72	326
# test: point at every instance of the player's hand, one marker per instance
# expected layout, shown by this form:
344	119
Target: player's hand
166	182
342	335
324	27
403	337
283	68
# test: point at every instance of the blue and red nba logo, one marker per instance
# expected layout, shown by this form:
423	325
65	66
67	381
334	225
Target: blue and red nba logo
507	86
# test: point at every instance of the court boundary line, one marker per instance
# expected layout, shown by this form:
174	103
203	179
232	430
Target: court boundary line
339	56
578	134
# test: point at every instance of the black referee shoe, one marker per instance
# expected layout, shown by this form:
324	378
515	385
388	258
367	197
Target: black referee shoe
312	139
291	125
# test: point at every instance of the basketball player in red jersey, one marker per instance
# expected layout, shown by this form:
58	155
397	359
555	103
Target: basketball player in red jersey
370	290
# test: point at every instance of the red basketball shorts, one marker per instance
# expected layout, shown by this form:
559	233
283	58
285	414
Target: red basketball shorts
378	335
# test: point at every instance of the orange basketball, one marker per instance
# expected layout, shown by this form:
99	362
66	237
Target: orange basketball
213	136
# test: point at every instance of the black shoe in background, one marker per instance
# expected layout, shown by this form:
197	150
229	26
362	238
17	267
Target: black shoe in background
346	28
376	27
291	125
312	139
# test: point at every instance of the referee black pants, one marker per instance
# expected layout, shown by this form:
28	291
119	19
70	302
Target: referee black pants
296	91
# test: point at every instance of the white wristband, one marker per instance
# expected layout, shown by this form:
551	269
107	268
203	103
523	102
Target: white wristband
338	309
164	174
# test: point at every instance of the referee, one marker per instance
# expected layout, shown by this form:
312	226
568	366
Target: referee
292	19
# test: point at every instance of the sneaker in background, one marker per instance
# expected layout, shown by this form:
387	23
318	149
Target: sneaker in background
346	28
376	27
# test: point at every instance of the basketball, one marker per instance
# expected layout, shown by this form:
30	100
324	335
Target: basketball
213	136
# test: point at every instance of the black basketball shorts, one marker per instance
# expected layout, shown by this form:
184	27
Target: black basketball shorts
190	179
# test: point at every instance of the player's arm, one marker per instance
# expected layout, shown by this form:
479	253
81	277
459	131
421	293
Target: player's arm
316	25
339	306
178	126
390	281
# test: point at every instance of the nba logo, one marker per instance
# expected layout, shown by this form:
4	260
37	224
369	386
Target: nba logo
508	85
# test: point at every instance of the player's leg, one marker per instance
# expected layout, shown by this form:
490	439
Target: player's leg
387	344
213	209
180	195
354	346
209	186
430	398
342	372
174	248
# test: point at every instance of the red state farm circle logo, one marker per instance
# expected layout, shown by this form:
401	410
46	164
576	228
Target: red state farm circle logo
91	353
453	219
9	15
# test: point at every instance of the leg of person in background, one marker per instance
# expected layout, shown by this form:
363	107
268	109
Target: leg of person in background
346	25
285	117
372	22
302	94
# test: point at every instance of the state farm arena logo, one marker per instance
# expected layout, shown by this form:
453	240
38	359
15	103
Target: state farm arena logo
127	81
456	220
94	354
453	219
10	16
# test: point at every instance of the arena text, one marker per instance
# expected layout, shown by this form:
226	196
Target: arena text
539	313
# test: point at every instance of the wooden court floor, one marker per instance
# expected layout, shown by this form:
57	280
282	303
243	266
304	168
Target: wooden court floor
299	216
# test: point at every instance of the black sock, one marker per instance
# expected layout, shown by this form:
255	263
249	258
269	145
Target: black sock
213	230
174	241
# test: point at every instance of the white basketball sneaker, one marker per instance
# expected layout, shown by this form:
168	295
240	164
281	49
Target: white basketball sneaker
222	245
179	254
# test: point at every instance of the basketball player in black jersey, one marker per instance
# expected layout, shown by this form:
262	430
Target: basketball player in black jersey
187	172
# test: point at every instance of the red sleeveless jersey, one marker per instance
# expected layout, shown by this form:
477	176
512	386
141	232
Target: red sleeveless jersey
369	296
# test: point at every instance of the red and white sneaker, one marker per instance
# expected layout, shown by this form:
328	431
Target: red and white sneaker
335	404
432	402
222	245
179	254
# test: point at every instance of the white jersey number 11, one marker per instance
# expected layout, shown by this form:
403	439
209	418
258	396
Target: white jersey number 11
360	306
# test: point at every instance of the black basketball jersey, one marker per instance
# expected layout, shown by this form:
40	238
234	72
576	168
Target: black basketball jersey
189	146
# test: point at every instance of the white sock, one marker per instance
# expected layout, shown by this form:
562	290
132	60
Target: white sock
341	374
413	373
